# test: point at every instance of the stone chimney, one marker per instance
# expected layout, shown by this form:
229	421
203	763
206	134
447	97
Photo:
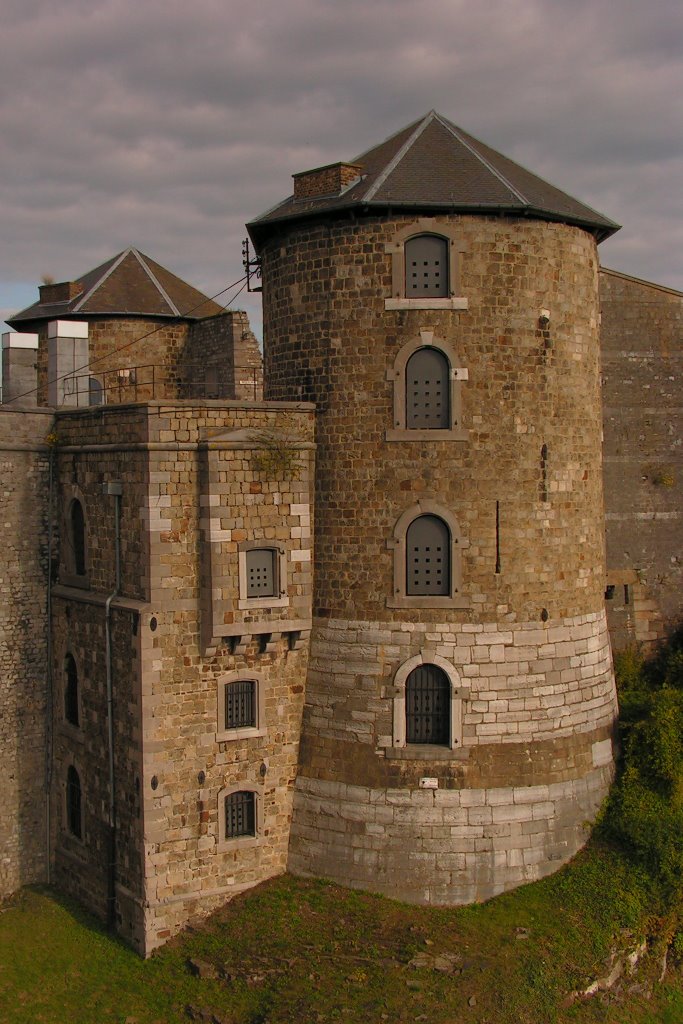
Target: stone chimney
330	180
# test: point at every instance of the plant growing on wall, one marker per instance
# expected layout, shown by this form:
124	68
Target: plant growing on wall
278	451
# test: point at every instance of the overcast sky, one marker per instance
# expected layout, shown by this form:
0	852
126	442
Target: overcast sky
166	124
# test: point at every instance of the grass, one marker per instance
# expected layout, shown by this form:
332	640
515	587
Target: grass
312	952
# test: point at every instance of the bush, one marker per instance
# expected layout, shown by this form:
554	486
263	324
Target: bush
644	813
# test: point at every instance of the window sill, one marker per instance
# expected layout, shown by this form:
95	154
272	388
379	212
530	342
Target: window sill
425	752
423	434
69	579
403	601
230	735
245	603
426	303
240	843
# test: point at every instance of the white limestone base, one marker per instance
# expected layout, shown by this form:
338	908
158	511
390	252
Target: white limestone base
443	846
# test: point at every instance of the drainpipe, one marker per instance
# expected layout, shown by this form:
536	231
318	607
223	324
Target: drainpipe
114	488
48	668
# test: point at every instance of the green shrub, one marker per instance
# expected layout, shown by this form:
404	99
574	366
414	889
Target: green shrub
644	813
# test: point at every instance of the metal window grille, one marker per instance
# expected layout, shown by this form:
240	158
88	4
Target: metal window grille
428	550
71	691
78	537
426	259
261	572
73	803
240	814
428	390
428	706
240	704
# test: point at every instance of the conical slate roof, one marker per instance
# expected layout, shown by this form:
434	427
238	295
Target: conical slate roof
432	164
129	284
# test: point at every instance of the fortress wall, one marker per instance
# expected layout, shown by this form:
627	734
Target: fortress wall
642	358
23	646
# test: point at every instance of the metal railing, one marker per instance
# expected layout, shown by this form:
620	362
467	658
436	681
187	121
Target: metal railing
144	383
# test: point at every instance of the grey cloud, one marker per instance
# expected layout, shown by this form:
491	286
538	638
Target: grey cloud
167	126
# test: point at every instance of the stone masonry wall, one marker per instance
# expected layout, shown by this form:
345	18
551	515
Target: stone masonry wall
524	641
24	474
151	347
190	868
222	359
172	758
641	332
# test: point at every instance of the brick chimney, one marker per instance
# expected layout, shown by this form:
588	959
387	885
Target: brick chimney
62	292
330	180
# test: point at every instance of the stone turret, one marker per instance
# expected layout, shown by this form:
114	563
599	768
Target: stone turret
441	309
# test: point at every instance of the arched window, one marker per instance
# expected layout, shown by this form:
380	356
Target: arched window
428	703
74	821
77	537
425	265
427	546
426	262
428	389
428	706
71	711
427	382
428	557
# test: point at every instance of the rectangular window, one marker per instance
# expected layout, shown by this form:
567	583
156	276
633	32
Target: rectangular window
240	704
261	572
240	814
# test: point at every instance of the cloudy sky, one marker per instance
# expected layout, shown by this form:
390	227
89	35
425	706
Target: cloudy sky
166	124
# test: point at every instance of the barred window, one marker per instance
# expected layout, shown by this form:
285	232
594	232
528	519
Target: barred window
428	712
71	713
428	547
240	814
240	704
74	821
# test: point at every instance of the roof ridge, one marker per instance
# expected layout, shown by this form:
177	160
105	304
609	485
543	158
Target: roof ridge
117	260
396	159
456	132
141	260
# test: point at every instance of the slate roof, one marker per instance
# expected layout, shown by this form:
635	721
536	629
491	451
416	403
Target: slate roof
433	164
129	284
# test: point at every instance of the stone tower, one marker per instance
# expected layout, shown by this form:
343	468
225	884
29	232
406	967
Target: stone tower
439	304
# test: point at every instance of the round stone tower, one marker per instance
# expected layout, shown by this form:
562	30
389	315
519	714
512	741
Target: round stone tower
439	304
